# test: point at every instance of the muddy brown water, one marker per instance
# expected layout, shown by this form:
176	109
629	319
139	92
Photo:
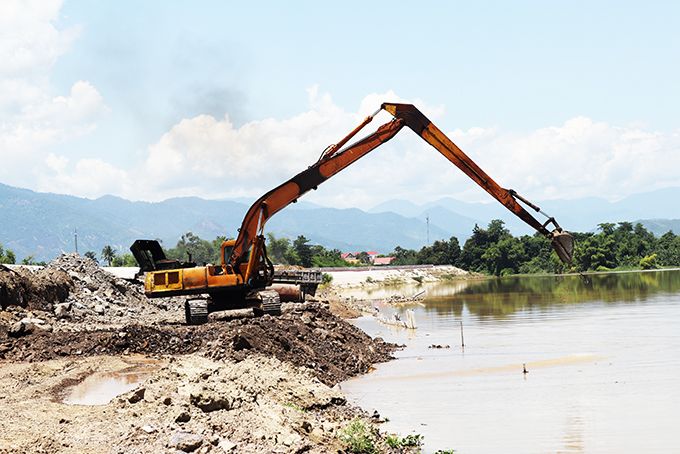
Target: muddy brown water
101	387
602	355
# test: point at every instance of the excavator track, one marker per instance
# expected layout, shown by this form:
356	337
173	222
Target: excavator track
196	310
271	303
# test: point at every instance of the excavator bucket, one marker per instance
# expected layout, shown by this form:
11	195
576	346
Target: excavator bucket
563	243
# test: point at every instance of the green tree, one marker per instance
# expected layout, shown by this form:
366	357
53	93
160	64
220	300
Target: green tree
125	260
363	258
668	248
6	256
596	253
538	255
440	253
606	227
108	254
404	257
278	250
504	257
472	256
626	248
325	258
91	255
191	247
649	262
303	251
217	249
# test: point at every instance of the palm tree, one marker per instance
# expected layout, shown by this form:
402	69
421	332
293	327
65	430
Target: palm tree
108	254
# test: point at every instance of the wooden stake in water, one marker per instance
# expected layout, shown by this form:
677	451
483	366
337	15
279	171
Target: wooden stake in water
462	339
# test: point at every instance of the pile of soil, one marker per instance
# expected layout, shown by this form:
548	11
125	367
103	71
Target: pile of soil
237	384
37	291
306	335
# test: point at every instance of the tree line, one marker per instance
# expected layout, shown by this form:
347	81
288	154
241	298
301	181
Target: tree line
492	250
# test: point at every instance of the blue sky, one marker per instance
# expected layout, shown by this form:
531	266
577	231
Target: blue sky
156	99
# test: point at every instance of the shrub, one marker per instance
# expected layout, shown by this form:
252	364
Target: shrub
649	262
362	438
409	441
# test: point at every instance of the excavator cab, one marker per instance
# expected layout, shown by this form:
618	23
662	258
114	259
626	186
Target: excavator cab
151	257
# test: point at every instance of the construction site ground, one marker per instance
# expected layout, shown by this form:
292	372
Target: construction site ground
239	384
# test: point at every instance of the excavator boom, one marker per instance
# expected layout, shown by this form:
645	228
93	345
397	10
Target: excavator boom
336	159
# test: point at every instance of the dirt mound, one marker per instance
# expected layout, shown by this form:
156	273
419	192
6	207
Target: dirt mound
307	336
101	297
39	290
89	311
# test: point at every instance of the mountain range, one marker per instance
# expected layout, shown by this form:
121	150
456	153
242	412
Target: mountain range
46	224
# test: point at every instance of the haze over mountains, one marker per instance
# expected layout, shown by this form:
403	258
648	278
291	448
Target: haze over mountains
44	224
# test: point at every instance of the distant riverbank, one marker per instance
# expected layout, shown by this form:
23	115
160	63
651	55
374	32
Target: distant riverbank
344	278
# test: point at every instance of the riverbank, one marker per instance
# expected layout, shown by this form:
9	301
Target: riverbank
345	278
238	384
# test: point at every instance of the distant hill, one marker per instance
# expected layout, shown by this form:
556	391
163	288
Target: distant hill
580	215
660	226
44	224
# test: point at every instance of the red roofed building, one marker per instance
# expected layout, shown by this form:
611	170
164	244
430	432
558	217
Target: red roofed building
383	260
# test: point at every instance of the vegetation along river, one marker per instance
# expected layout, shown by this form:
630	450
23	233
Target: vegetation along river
602	353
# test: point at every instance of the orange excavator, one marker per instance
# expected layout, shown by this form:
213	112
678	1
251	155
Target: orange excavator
246	277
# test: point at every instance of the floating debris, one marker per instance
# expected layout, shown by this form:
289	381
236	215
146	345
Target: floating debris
396	320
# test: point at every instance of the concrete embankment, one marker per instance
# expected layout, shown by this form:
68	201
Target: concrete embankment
344	278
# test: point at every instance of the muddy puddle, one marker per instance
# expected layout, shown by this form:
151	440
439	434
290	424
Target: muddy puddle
101	387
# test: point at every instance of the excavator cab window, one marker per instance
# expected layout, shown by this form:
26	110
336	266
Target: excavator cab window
243	267
227	253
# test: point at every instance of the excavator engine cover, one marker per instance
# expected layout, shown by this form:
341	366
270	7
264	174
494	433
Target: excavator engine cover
563	243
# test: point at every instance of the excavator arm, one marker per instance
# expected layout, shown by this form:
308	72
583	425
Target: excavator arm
247	277
335	158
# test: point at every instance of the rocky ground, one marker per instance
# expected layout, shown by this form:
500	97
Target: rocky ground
237	384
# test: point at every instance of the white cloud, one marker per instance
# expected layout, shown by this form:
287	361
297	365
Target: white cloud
91	178
582	159
29	43
32	115
211	158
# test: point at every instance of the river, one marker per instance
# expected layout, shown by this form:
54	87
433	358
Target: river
602	354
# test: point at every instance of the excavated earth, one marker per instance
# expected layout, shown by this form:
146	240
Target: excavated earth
238	384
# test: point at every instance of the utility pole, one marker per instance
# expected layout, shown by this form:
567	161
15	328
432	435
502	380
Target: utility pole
427	218
76	237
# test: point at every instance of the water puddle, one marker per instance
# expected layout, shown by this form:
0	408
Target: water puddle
101	387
